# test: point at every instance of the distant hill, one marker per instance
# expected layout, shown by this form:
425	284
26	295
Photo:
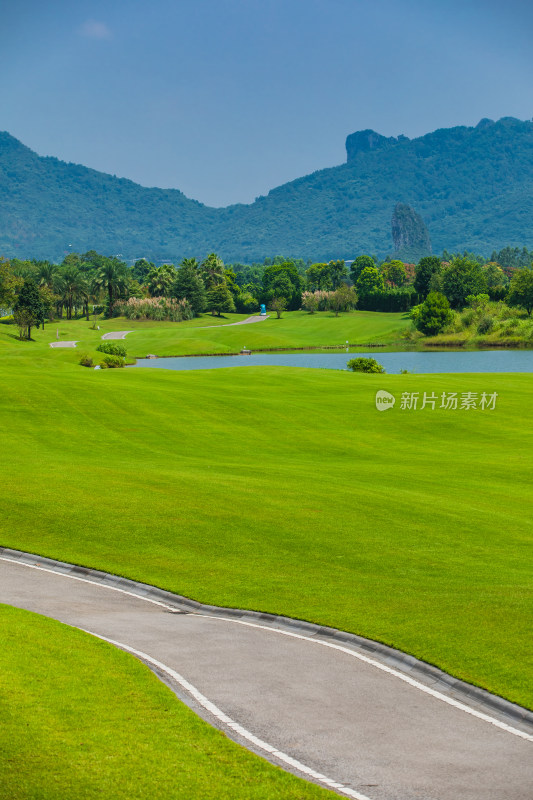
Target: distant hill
472	187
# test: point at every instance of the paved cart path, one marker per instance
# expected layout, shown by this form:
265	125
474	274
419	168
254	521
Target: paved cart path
63	344
247	321
353	724
116	335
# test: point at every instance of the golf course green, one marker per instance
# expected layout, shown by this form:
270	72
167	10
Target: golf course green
212	334
97	723
283	490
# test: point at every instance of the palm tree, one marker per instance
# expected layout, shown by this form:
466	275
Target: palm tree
46	273
70	286
112	277
160	279
212	271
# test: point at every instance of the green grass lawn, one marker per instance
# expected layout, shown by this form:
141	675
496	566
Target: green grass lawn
285	490
81	719
208	334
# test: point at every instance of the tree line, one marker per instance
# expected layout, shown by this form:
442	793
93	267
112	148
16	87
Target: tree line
38	290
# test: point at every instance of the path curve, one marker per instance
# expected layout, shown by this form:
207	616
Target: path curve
247	321
311	702
64	344
116	334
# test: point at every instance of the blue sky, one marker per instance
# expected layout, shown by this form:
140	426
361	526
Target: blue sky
225	99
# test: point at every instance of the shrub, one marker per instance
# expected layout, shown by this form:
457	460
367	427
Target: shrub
111	362
434	314
392	300
8	320
477	300
112	349
156	308
364	365
485	324
85	360
467	317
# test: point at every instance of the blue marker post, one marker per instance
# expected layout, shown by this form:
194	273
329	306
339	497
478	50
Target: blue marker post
263	310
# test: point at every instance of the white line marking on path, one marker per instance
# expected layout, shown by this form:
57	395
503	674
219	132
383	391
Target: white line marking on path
230	723
396	673
93	583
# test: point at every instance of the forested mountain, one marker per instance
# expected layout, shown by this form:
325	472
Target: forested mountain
472	187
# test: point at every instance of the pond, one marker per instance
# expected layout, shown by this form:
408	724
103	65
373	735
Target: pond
413	361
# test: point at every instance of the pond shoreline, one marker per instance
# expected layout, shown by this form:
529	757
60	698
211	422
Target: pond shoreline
386	347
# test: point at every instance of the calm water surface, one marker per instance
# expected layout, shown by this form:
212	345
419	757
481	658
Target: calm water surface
464	361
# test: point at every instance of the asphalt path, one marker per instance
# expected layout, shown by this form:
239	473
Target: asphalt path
312	706
115	335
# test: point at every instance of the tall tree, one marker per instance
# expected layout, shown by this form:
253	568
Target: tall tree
70	285
189	285
370	280
219	298
359	264
9	284
426	268
521	290
28	310
212	271
337	273
394	272
461	278
112	278
160	280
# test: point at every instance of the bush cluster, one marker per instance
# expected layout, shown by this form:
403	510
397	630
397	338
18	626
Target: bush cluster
156	308
112	349
364	365
111	362
86	360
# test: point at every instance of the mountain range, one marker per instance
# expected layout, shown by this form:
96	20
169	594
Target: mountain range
472	186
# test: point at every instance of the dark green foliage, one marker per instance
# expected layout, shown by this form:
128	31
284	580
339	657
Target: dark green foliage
521	290
392	300
434	314
246	303
212	271
112	349
337	272
462	278
140	269
426	268
485	324
471	185
28	310
364	365
112	277
220	299
283	280
189	285
410	235
160	280
359	264
512	257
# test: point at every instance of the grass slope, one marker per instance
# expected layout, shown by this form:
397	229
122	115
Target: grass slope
97	723
208	334
285	490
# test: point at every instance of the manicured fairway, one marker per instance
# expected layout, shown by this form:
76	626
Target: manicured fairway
285	490
209	334
81	719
